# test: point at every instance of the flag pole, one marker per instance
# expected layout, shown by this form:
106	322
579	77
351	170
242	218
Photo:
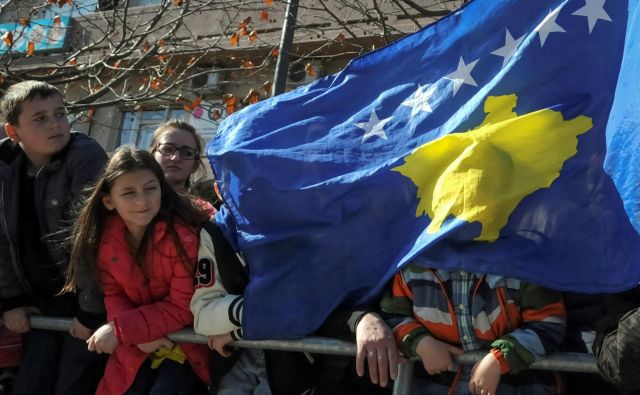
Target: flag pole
286	41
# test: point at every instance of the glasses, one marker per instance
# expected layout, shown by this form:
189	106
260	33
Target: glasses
168	150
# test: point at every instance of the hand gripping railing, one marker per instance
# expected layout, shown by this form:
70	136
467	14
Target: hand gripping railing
564	362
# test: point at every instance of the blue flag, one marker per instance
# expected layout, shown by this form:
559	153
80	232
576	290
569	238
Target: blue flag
502	139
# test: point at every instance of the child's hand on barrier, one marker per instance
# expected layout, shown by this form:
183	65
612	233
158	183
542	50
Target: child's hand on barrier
79	331
104	339
436	354
485	376
219	342
17	320
154	345
375	343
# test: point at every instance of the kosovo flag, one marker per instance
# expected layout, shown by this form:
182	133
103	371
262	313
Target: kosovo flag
502	139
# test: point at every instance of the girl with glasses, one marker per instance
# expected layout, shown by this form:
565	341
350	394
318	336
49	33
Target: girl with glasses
177	147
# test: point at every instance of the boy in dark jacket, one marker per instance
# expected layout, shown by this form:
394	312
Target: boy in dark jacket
43	167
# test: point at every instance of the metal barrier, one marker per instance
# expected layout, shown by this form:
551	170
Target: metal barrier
564	362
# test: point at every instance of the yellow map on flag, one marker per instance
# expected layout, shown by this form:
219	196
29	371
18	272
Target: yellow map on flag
483	174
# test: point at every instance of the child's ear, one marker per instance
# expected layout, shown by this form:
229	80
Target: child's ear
10	130
106	200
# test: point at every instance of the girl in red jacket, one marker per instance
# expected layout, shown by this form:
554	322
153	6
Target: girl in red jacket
144	239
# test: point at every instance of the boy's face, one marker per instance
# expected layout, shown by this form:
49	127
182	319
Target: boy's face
42	129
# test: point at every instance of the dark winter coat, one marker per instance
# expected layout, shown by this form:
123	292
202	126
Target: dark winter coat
617	343
56	187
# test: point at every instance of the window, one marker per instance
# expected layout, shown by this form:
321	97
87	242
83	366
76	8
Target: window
77	8
138	126
104	5
137	3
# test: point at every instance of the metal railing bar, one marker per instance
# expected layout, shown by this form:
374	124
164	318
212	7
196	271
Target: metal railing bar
402	384
565	361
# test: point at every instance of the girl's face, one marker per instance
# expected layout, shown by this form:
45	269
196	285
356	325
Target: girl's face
136	197
175	154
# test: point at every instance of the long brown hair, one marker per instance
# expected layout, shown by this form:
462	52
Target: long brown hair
87	230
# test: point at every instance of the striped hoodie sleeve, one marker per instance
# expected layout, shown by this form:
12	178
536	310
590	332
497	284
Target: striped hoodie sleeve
540	332
215	311
397	304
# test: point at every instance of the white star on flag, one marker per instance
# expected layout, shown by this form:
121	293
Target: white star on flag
374	127
509	49
462	75
549	25
593	10
419	101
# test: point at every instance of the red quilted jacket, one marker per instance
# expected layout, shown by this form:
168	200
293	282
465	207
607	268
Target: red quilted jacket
145	309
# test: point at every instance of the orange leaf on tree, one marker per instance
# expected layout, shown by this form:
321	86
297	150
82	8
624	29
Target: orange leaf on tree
264	15
2	79
73	61
247	64
252	97
7	38
161	57
145	46
192	106
309	69
245	22
117	63
90	113
234	39
231	102
267	86
275	52
62	3
244	31
191	60
252	36
156	84
24	21
31	46
169	70
177	2
268	2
